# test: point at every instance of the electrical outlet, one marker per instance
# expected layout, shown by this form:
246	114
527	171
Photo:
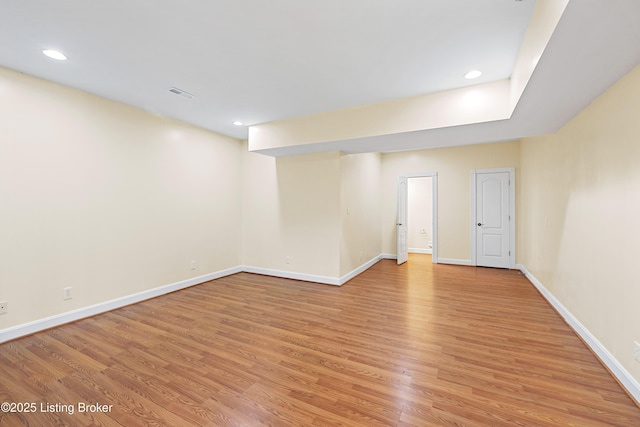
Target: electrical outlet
194	265
66	293
636	350
4	307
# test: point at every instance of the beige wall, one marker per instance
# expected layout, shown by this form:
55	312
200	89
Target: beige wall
291	213
106	199
453	166
419	213
315	214
579	228
360	238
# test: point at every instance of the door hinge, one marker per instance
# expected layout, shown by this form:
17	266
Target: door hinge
509	253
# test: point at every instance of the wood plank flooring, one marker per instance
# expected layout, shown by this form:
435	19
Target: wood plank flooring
411	345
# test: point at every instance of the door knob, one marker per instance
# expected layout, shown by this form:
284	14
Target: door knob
479	224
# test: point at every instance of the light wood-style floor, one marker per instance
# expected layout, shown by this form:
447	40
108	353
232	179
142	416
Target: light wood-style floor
411	345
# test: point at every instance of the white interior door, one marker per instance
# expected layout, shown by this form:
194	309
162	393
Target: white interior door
492	220
401	225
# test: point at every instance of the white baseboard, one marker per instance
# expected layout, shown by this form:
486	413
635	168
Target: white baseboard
623	376
455	261
420	251
389	256
292	275
81	313
327	280
344	279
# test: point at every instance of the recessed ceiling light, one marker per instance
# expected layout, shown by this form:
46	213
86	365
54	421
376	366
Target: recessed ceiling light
474	74
238	123
54	54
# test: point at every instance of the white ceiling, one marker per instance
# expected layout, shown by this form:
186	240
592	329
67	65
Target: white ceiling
260	61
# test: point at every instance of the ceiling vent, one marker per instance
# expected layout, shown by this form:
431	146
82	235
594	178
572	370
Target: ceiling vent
181	92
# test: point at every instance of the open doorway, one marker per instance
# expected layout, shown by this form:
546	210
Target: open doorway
417	225
420	215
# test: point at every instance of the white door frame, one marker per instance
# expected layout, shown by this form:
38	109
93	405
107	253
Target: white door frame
434	208
512	213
